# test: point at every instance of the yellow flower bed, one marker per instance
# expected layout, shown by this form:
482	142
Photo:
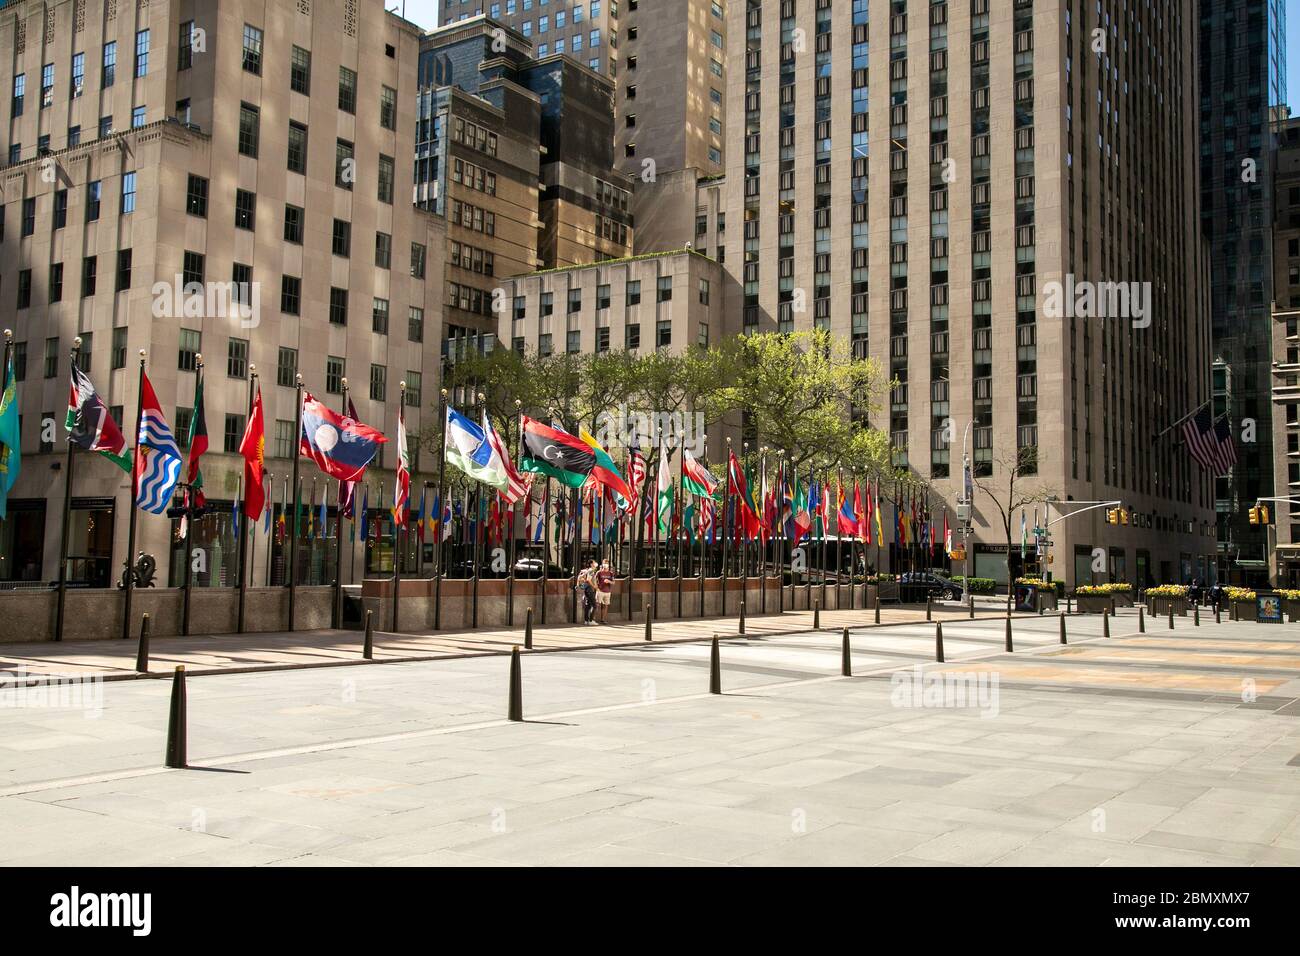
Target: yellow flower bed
1168	591
1289	595
1114	587
1239	594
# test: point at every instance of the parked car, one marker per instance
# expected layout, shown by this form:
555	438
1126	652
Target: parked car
915	586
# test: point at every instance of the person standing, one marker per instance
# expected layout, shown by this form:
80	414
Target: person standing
604	590
587	588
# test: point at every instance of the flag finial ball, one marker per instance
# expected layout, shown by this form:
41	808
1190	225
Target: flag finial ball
9	333
252	368
402	384
344	381
142	354
77	342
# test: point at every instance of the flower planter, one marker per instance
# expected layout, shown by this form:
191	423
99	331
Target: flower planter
1292	610
1244	611
1123	598
1159	606
1047	600
1091	603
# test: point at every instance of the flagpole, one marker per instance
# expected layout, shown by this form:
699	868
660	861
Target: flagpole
478	530
400	515
67	515
442	510
128	579
337	614
546	544
822	502
634	509
680	510
243	533
659	462
514	516
293	528
699	525
726	525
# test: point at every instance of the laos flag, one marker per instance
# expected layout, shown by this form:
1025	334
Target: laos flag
340	446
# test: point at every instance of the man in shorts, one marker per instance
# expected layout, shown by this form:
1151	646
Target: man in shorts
604	588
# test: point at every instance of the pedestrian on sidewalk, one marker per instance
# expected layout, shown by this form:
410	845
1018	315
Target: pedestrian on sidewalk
604	589
587	589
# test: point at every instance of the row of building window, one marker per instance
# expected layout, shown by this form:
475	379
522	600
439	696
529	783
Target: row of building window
108	74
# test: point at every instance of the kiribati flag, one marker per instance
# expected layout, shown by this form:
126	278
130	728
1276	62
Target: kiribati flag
341	447
157	459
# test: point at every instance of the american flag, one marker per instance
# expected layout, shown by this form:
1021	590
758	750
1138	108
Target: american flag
635	475
1210	443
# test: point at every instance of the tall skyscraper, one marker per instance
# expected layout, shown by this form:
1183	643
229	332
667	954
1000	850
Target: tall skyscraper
996	201
1242	64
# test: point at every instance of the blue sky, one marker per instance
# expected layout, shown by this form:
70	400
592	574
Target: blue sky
424	12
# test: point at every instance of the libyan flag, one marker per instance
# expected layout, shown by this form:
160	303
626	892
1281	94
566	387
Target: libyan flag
555	453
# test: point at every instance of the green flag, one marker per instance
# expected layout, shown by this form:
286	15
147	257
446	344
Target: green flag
10	452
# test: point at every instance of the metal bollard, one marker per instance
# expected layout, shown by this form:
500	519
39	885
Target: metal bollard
1196	615
515	708
742	615
647	622
1217	619
817	614
1009	646
1105	622
528	630
1142	621
846	658
970	604
929	608
715	669
176	729
938	642
877	606
368	649
1171	614
1062	619
142	655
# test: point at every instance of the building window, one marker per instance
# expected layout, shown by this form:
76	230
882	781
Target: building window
123	281
74	136
286	367
418	254
185	46
248	130
119	347
663	333
704	292
245	209
293	224
192	269
383	250
137	117
89	266
290	295
388	108
602	339
19	97
602	297
128	193
347	90
78	74
634	292
188	358
234	433
335	370
93	192
47	85
412	389
378	383
297	152
285	439
105	127
544	344
142	53
25	289
344	164
110	64
237	358
338	306
300	70
573	341
241	280
51	358
56	282
252	50
342	243
546	303
632	337
379	316
29	216
575	300
196	196
386	179
415	324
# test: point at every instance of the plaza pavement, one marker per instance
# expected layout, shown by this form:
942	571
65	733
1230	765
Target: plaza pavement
1166	748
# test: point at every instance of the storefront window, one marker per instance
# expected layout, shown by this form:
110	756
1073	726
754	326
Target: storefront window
22	543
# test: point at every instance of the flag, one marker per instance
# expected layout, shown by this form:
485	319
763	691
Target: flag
253	448
815	507
707	521
340	446
322	520
875	507
557	454
737	485
947	534
696	479
466	448
402	487
266	523
419	518
516	484
846	522
604	473
198	443
1210	443
365	513
802	522
664	480
1024	536
347	497
10	443
157	459
234	520
90	426
636	469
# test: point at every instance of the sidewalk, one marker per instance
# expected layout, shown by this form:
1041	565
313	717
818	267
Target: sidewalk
242	653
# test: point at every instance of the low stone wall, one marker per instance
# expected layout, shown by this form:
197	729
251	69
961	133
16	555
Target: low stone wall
96	614
419	596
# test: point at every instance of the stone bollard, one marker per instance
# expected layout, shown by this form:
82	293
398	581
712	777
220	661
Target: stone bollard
368	648
528	630
142	654
176	724
515	707
938	642
715	668
846	659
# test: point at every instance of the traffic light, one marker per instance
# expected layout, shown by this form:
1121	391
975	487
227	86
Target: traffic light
1123	516
1255	516
1263	514
1112	516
